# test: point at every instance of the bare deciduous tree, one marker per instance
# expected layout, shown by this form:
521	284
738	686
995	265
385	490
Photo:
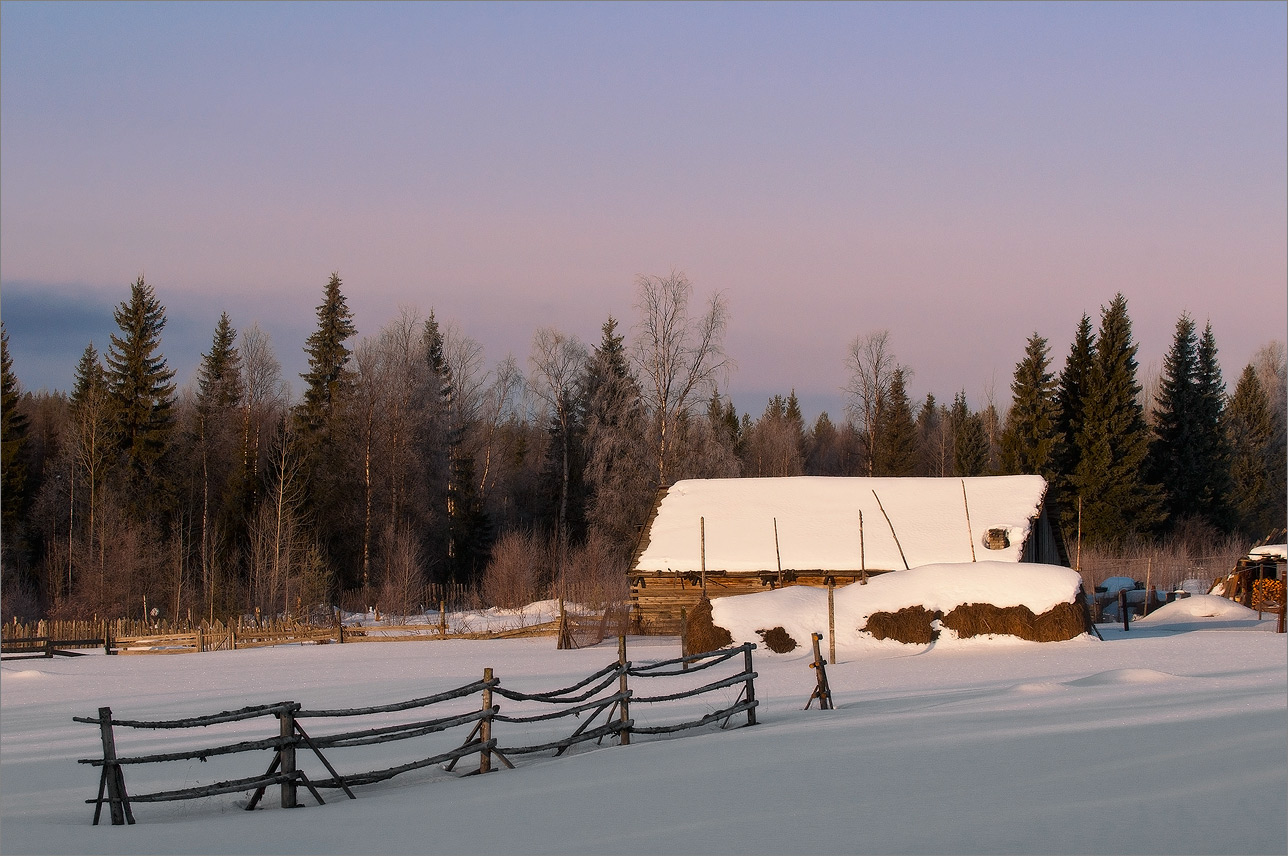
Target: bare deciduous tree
557	364
266	395
871	364
679	357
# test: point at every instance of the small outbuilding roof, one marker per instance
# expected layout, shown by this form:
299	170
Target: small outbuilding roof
817	518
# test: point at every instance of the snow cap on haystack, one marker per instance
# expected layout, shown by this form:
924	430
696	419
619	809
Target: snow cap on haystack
1014	597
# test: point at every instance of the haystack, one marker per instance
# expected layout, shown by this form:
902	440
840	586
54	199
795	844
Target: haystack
702	634
778	640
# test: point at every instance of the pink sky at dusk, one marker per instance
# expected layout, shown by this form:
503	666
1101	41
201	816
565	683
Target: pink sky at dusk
961	174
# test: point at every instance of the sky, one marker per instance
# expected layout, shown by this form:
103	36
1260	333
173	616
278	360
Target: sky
961	175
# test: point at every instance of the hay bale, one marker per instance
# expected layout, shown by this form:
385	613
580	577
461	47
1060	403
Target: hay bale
911	625
777	639
703	635
1061	622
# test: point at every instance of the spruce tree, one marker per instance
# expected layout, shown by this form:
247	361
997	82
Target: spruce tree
90	378
219	378
618	474
92	430
1189	458
1070	398
1030	439
1118	503
329	380
13	435
141	395
934	452
896	450
330	469
1250	428
970	442
1175	455
224	478
1214	494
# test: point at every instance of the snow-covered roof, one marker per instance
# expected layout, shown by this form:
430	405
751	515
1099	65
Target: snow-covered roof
1271	551
818	522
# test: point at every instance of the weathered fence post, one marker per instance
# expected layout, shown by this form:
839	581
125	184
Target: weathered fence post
822	691
286	751
1122	608
684	638
624	736
485	725
751	686
831	619
117	801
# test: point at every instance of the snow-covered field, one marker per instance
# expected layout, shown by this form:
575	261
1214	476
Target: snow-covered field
1169	738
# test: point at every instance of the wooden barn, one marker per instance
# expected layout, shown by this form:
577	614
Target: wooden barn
737	536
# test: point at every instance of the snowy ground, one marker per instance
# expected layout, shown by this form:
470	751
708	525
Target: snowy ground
1165	739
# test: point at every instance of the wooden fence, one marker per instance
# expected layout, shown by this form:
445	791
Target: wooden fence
127	636
606	691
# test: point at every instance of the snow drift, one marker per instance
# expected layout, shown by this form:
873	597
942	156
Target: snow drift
943	602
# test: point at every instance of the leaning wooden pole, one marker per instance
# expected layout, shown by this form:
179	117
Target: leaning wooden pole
778	556
892	532
863	559
970	533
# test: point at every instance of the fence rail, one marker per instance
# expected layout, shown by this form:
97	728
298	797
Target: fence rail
587	695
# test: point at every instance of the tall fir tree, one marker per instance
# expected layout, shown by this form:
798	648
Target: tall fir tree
896	450
219	377
329	382
1175	457
970	442
218	429
1214	495
1070	399
142	396
1250	428
934	451
92	435
1119	504
13	435
1029	439
618	474
1188	458
330	473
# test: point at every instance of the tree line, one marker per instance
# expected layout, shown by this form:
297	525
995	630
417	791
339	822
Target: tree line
406	462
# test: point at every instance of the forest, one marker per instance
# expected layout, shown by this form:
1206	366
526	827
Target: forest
409	472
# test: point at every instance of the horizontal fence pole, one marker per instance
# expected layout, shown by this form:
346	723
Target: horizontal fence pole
201	721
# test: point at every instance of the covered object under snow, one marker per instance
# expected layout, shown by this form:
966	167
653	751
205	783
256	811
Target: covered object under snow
736	536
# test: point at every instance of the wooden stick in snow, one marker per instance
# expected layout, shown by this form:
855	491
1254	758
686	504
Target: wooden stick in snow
892	532
969	533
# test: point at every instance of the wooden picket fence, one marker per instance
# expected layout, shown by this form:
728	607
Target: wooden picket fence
606	692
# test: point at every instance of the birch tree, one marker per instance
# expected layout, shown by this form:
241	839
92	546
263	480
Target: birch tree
679	356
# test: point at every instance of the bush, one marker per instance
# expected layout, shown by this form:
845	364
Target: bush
518	570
